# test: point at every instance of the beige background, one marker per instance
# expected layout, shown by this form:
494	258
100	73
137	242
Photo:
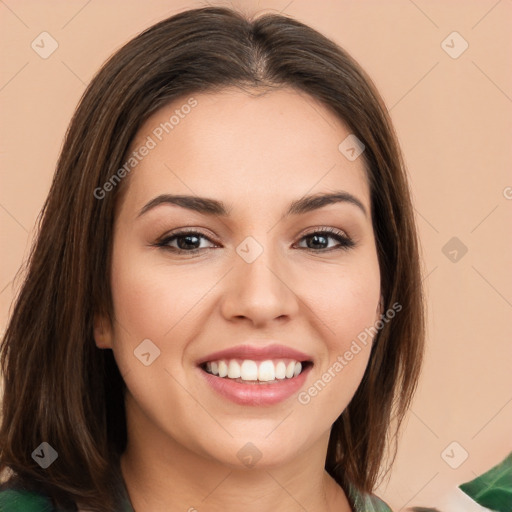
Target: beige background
454	120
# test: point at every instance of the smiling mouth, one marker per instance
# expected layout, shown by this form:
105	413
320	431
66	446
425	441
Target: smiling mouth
247	371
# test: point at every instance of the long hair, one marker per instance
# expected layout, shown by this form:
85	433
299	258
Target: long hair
58	386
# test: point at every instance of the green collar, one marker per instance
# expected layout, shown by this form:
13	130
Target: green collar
366	502
16	498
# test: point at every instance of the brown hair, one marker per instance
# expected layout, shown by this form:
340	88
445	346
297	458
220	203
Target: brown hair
59	387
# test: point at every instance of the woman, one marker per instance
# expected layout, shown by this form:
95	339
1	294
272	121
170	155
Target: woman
223	308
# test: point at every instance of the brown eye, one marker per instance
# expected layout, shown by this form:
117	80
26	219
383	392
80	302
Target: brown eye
186	241
318	241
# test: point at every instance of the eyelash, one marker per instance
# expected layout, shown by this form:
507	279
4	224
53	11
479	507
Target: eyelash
345	242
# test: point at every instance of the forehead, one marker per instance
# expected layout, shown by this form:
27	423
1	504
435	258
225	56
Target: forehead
268	148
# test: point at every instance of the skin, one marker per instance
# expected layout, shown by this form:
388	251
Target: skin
256	154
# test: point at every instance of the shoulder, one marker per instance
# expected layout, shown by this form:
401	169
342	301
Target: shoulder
19	500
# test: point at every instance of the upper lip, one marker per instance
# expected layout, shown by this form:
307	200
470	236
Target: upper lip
256	353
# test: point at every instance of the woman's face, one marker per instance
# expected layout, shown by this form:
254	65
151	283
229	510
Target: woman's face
259	284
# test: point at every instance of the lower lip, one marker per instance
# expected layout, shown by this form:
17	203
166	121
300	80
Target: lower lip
256	394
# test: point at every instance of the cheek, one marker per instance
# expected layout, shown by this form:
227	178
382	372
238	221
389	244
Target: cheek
339	374
149	298
141	313
156	301
347	302
347	305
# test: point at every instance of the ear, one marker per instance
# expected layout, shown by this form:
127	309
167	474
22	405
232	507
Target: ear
102	331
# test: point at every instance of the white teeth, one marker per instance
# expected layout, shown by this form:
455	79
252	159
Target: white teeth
266	371
249	370
233	370
280	370
223	369
290	369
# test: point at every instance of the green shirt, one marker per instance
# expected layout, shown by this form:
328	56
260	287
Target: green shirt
19	500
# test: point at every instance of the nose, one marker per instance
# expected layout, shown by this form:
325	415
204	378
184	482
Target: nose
261	291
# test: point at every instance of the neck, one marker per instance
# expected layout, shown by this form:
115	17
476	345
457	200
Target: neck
161	474
264	490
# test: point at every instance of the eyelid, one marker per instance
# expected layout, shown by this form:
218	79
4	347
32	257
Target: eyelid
325	229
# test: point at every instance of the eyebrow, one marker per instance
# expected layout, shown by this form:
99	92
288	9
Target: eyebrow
207	206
